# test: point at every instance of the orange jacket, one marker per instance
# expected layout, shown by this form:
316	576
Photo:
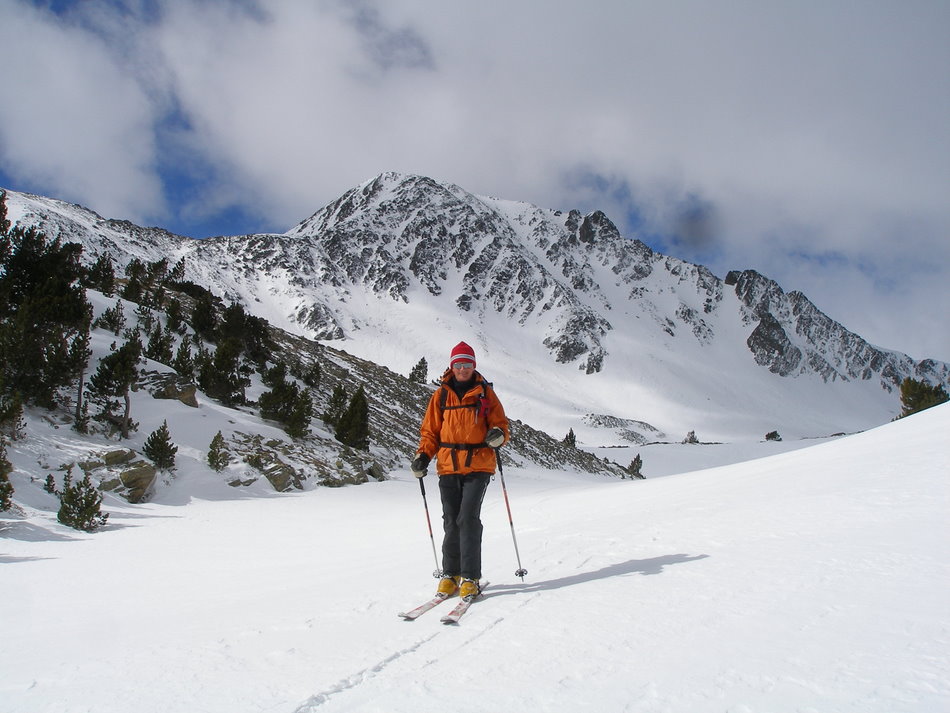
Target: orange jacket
455	429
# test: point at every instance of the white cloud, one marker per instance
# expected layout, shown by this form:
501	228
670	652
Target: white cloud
802	130
71	119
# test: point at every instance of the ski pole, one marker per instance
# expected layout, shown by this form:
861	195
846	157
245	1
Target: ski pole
521	571
438	570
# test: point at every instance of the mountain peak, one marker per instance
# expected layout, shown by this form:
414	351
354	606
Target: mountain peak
402	263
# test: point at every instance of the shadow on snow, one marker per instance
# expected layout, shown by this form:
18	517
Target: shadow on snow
653	565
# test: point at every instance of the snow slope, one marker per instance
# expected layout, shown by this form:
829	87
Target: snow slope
813	580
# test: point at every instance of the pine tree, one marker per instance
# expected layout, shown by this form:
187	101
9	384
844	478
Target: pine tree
353	428
156	272
114	378
6	487
79	354
101	276
146	318
135	273
50	485
159	448
202	360
218	455
160	345
112	319
773	436
250	333
156	298
224	376
204	317
81	424
276	376
570	439
420	372
12	423
634	468
312	375
81	505
183	362
297	419
691	438
286	402
175	316
918	395
6	490
177	273
336	406
43	307
4	223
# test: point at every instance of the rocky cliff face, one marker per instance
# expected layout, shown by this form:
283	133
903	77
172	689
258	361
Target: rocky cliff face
397	233
526	263
791	336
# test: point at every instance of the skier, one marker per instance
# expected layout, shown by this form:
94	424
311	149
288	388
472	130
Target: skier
463	425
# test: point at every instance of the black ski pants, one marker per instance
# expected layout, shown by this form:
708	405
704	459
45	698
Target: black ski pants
462	497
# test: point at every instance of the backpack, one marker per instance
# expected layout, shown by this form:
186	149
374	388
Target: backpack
481	410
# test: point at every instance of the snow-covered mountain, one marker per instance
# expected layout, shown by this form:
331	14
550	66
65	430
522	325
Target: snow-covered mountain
574	322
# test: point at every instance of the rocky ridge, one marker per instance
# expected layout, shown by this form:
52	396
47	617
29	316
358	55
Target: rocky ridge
573	276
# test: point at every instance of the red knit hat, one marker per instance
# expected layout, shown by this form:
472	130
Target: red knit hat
462	352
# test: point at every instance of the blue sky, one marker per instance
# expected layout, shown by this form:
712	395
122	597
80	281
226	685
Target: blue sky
805	140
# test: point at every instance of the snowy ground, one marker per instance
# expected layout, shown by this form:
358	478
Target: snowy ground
813	580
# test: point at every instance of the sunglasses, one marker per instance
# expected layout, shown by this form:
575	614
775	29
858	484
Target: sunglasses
463	365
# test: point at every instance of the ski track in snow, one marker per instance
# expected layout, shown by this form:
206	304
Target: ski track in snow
456	641
358	678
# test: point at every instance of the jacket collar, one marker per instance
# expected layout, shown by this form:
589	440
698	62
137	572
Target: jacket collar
447	378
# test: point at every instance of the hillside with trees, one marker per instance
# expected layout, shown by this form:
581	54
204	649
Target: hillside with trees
80	345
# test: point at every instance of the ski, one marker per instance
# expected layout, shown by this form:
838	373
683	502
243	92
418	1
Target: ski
453	616
413	614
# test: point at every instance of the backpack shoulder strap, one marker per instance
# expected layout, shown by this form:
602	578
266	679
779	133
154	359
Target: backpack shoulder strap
444	395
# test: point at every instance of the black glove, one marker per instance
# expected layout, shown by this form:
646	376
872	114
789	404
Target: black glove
419	465
495	437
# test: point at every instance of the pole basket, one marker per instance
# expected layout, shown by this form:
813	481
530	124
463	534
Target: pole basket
521	573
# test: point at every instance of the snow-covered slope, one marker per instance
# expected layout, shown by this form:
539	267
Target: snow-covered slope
568	317
814	580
